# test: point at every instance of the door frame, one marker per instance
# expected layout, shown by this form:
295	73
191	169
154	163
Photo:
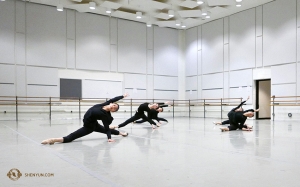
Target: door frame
257	97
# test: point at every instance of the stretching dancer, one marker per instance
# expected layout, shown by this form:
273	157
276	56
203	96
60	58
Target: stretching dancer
90	124
236	109
237	120
145	107
153	114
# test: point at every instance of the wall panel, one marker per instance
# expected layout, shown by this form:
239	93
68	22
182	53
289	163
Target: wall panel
240	78
132	50
279	21
7	32
212	47
135	81
191	52
284	74
42	76
101	89
212	81
165	51
165	83
92	42
45	36
242	40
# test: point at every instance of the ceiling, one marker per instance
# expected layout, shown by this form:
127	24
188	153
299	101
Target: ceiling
186	12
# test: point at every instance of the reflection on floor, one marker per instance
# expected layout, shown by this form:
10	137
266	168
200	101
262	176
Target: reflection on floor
183	152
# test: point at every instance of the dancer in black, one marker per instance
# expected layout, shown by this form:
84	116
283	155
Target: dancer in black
90	124
236	109
237	120
153	114
145	107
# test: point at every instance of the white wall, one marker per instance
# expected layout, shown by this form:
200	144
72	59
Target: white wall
40	45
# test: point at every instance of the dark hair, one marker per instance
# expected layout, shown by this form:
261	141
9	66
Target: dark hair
118	107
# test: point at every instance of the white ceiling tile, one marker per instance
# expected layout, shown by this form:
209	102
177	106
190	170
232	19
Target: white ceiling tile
189	4
162	16
190	13
112	5
217	10
220	2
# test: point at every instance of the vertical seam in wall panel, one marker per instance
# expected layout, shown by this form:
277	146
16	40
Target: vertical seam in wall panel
197	62
110	43
66	65
15	41
25	48
296	45
255	17
75	41
262	37
223	54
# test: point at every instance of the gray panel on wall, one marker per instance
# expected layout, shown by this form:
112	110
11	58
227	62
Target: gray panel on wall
191	51
212	94
70	88
113	31
242	40
113	58
132	50
7	32
298	13
191	94
167	95
191	83
226	30
149	61
135	81
21	81
20	48
199	62
7	90
92	42
283	90
165	51
150	37
298	44
284	74
226	57
212	47
279	21
136	93
70	24
42	76
20	17
71	54
212	81
150	87
226	84
42	91
165	83
240	78
241	92
259	18
298	79
46	36
101	89
199	37
199	87
259	51
7	74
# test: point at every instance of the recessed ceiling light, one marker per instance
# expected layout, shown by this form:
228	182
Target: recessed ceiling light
60	7
92	5
149	24
238	1
200	2
108	10
138	15
177	23
171	13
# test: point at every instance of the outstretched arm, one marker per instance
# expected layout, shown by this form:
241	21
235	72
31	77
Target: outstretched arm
115	99
241	104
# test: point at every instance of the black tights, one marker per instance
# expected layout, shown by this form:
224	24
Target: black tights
136	117
158	119
83	131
